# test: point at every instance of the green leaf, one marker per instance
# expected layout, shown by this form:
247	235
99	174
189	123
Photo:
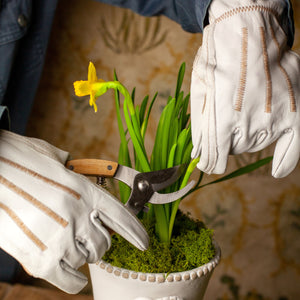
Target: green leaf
187	152
241	171
124	159
145	123
174	131
133	95
136	138
180	79
179	102
183	114
172	156
166	128
176	203
161	223
137	113
182	142
143	109
160	149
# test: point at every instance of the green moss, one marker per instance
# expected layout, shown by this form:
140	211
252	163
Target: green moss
190	247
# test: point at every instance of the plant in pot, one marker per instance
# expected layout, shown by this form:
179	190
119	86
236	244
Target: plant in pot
182	253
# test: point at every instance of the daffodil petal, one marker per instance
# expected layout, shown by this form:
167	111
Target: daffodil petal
95	107
82	88
92	75
93	102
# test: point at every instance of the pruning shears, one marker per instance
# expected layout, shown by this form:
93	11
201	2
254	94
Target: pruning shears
144	186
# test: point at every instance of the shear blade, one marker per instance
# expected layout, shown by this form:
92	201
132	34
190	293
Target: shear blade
171	197
164	178
126	175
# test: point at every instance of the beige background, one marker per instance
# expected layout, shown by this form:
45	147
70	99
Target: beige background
256	218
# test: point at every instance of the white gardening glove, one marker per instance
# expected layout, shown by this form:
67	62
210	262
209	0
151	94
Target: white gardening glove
51	219
245	86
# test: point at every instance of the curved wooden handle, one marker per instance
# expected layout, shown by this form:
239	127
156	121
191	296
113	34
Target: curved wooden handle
93	167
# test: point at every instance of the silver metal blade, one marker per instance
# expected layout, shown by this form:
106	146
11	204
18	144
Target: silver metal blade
126	175
166	177
171	197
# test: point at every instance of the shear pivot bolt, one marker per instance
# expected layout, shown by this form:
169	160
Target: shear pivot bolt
143	185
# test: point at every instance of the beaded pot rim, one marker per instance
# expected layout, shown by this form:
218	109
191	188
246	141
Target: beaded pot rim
164	277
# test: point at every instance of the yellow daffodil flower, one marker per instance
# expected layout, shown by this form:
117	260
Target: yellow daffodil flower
93	86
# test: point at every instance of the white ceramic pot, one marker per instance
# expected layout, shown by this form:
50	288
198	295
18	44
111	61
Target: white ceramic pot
112	283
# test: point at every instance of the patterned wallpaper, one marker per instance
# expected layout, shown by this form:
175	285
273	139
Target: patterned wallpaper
255	217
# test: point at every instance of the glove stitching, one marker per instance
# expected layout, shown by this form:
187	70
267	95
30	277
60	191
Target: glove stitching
41	177
49	212
243	71
267	71
291	93
23	227
245	9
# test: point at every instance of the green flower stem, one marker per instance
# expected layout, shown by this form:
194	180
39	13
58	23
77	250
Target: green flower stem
134	129
139	148
130	118
120	125
124	157
128	102
184	182
161	223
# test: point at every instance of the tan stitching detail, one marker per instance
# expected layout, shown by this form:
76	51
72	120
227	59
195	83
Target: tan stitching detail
293	107
267	71
33	201
204	104
23	227
41	177
243	71
245	9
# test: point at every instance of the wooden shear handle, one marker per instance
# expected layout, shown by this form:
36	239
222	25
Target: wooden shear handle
93	167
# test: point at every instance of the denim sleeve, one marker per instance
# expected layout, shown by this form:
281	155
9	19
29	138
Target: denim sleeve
25	27
4	118
288	25
190	14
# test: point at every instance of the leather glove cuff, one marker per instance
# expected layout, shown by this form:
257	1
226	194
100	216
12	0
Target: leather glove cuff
35	144
221	9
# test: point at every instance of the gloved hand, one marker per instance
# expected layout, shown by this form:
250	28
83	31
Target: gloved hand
51	219
245	86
